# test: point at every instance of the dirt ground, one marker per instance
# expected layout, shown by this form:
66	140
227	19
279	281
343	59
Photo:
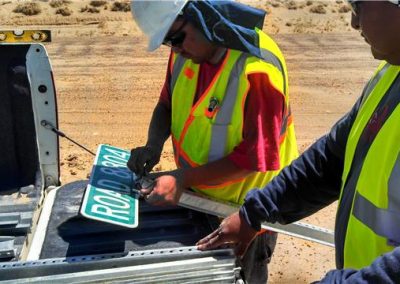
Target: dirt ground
107	85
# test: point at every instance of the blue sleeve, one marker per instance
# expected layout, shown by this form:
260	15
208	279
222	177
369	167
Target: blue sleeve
385	269
310	183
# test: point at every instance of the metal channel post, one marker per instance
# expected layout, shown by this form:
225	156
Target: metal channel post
301	230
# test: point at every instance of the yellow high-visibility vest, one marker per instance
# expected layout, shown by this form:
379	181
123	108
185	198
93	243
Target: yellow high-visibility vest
372	171
213	127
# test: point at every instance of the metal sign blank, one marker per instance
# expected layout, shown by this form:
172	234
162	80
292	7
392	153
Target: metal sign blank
109	196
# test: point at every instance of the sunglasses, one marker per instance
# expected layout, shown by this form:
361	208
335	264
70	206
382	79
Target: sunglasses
177	37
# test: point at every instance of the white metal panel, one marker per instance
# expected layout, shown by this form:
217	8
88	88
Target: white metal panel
44	108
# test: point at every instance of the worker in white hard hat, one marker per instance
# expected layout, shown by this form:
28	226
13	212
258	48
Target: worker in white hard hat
225	104
356	163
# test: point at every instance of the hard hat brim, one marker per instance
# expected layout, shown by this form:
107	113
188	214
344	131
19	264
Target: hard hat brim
155	18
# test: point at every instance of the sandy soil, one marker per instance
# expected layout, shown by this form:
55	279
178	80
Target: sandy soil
107	85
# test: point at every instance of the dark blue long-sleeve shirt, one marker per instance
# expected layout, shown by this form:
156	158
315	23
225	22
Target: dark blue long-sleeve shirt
310	183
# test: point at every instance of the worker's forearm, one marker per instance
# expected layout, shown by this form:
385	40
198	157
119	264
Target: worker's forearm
385	269
160	126
216	172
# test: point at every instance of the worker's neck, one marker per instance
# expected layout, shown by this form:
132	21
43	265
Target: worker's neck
218	55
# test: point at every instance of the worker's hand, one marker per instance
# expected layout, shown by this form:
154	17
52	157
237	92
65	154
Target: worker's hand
143	159
233	230
167	189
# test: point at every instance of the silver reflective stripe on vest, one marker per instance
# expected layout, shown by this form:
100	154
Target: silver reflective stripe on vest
394	187
384	222
371	84
219	131
271	58
177	68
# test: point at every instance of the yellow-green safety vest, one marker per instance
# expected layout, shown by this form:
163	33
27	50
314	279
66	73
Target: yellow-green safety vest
212	128
372	172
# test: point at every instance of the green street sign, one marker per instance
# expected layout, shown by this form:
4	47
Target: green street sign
109	196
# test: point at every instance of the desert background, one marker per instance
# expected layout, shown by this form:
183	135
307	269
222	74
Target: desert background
107	85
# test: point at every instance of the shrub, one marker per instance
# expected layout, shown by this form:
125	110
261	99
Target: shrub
292	5
28	9
318	9
93	10
59	3
97	3
275	4
64	11
120	6
90	10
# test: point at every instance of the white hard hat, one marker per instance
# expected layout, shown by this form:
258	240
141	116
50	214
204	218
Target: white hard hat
155	18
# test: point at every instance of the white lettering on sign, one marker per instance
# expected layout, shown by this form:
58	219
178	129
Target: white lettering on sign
115	159
106	200
107	208
123	155
104	210
112	164
118	172
112	184
113	193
